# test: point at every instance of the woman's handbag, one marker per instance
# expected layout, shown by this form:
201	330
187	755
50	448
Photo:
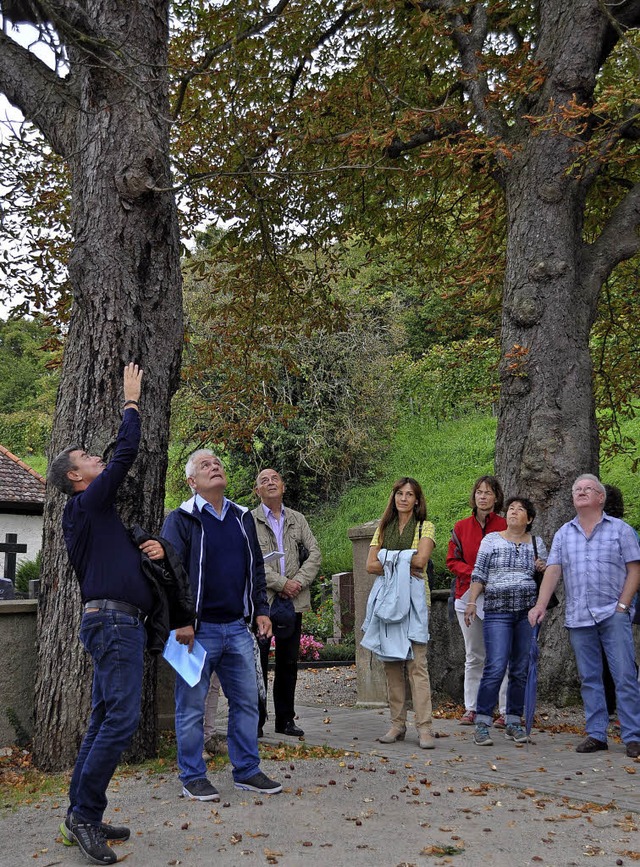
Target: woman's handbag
538	576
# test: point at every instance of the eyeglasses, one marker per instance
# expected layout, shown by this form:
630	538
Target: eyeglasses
586	490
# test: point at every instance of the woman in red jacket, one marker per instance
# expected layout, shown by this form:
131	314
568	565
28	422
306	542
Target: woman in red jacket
486	501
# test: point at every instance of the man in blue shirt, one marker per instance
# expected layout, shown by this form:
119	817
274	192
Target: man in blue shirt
599	559
216	541
116	599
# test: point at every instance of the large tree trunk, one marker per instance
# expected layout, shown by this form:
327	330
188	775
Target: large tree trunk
125	275
547	431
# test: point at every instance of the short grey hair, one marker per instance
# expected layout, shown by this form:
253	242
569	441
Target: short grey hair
191	461
589	477
58	469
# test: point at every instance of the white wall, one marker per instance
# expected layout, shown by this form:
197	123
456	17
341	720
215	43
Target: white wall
28	529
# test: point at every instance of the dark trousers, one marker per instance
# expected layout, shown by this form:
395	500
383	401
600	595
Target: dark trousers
116	642
286	675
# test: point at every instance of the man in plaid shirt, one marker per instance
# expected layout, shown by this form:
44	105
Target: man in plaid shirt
598	558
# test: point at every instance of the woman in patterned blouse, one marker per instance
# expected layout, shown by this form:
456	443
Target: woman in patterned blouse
504	571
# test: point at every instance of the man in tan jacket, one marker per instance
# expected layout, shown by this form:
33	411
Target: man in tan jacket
283	529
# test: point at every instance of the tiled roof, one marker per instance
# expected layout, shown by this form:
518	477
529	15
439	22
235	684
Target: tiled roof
18	482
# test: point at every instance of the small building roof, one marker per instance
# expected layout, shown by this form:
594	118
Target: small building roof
21	488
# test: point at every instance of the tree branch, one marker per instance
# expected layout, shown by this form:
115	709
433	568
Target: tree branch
318	40
63	13
211	55
42	97
429	134
470	47
619	240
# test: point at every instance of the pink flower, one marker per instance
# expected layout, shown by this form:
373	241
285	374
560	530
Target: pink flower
309	647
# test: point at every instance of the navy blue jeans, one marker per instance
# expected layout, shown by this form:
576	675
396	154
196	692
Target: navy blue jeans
116	642
229	649
507	639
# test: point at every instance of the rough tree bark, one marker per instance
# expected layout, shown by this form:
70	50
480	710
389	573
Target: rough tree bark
547	431
109	119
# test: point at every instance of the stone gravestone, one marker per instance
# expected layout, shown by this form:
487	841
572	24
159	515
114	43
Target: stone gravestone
9	548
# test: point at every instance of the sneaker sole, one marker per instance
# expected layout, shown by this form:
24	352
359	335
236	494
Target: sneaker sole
187	794
247	788
487	743
67	840
517	740
87	854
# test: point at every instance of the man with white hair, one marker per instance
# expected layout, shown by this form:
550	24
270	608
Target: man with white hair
217	544
598	558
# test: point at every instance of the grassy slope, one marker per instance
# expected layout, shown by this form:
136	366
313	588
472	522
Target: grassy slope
446	459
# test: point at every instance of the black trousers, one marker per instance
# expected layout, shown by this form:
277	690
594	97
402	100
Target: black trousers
286	676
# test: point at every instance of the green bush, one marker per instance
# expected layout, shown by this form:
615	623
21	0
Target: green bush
344	651
27	571
319	622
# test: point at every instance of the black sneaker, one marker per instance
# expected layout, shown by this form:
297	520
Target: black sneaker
91	840
259	782
117	833
200	790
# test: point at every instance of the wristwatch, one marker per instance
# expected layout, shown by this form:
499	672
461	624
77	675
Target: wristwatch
623	606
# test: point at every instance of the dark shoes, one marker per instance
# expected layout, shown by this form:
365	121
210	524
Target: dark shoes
200	790
291	729
259	782
91	839
117	833
591	745
633	749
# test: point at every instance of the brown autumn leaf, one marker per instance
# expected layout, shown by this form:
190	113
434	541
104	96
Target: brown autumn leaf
562	817
629	853
439	851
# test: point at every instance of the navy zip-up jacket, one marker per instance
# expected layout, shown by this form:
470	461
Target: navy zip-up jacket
183	528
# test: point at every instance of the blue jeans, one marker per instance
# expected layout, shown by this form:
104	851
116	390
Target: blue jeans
507	639
614	636
116	642
229	648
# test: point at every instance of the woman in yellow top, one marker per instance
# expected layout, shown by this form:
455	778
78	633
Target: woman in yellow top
404	526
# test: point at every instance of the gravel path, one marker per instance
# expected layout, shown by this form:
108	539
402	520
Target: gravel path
338	687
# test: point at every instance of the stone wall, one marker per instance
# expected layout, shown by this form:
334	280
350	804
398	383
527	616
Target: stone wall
18	668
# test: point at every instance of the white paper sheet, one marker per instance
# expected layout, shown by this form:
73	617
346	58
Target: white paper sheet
188	665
